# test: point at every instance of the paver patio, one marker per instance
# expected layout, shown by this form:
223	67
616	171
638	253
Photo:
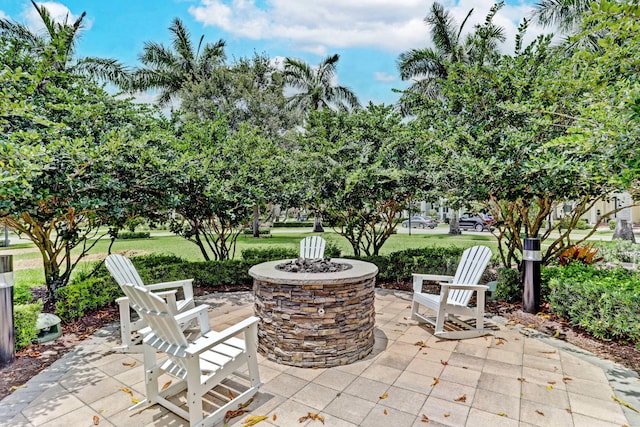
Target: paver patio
515	377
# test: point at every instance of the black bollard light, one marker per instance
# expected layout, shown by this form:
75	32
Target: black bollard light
532	260
7	342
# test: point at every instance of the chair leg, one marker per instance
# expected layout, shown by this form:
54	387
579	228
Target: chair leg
125	323
194	390
480	310
414	311
251	343
151	373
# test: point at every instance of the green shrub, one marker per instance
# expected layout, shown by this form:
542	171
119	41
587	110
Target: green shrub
293	224
612	224
125	235
259	255
22	294
619	250
261	231
76	299
399	266
606	302
509	286
581	224
25	317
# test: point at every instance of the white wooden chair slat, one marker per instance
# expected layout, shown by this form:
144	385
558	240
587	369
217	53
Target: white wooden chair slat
123	271
312	247
454	296
200	365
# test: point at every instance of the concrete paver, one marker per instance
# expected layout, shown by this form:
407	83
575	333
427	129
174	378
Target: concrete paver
514	377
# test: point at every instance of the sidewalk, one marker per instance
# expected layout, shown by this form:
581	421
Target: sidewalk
516	377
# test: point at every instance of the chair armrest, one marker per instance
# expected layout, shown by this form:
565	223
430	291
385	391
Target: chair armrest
186	285
213	338
174	284
419	278
465	287
199	312
432	277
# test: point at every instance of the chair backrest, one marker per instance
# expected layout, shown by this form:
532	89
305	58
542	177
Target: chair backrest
169	336
472	265
123	270
312	247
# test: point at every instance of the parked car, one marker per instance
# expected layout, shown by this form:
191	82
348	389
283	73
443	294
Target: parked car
474	222
420	222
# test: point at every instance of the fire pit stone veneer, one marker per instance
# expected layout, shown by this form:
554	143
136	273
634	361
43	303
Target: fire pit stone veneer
315	320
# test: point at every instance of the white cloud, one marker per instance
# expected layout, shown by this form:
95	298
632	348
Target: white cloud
59	12
323	25
3	15
383	77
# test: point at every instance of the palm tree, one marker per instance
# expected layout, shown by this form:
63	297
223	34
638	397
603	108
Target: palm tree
57	48
315	87
172	69
567	17
316	91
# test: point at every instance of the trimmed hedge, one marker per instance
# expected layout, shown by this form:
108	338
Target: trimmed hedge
125	235
78	298
25	318
293	224
605	302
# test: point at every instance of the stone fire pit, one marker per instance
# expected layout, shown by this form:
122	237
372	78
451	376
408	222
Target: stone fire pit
315	319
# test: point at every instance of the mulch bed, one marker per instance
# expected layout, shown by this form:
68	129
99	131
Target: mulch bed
36	357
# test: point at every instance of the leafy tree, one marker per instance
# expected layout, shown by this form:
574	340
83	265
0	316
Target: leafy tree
221	177
515	138
361	167
249	92
171	69
64	129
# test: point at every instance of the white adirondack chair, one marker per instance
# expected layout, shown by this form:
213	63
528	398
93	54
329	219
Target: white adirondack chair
312	247
201	366
123	271
455	293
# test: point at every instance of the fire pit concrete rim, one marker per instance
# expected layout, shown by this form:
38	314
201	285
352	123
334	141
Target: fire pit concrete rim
360	270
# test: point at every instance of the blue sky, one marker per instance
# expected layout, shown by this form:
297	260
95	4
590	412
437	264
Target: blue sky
368	34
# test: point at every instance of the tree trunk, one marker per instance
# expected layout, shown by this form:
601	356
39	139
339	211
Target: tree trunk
317	223
624	231
454	225
256	221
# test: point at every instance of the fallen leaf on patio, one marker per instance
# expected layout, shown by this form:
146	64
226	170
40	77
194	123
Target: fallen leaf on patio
548	352
102	411
447	415
15	387
502	414
34	354
233	414
275	417
623	403
499	341
231	396
521	380
253	420
549	387
424	419
421	344
568	410
385	412
539	412
445	363
96	420
134	400
551	382
566	379
462	398
126	390
131	364
384	396
245	404
435	382
311	416
166	385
